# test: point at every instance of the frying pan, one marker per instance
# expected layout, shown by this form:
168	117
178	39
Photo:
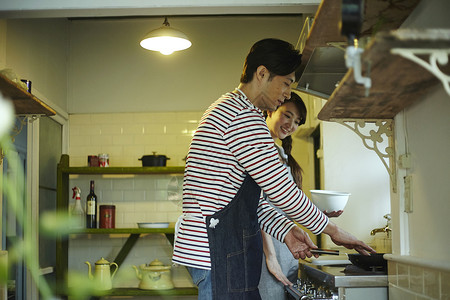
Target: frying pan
363	261
368	261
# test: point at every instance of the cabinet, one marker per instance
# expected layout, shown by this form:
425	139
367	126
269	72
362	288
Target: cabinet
396	82
24	102
63	173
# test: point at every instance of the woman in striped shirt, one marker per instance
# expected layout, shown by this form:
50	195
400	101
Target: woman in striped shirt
279	266
231	159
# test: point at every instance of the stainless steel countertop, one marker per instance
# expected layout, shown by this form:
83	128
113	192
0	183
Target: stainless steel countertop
334	276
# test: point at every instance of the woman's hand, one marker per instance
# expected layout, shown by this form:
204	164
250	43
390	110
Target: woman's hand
333	214
271	259
275	269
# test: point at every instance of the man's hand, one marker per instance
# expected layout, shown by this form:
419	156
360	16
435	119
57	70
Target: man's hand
299	243
342	238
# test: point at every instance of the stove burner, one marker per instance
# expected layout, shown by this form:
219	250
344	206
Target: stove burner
373	270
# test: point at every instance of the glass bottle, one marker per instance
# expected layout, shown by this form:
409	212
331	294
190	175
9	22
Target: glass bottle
77	210
91	208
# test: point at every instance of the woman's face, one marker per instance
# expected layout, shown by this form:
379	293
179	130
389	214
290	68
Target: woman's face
284	121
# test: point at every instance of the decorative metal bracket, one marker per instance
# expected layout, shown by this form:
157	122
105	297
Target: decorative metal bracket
373	140
17	129
435	56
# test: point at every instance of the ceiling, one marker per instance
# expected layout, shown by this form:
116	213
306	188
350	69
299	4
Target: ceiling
117	8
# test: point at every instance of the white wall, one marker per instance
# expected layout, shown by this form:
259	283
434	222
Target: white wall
427	130
423	132
350	167
110	72
36	50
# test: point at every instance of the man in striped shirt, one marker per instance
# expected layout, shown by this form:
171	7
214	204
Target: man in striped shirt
231	154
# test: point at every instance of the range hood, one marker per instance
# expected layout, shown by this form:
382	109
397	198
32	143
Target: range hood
323	72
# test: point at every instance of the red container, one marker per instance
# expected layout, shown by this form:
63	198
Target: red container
93	161
107	216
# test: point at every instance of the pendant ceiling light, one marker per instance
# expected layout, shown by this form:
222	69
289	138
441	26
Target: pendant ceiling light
165	40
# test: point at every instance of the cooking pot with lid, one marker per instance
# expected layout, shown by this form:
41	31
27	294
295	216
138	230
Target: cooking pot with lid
154	160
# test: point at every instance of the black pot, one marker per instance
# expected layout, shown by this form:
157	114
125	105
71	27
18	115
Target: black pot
154	160
368	261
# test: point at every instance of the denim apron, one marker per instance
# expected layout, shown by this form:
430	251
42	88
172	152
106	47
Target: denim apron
236	246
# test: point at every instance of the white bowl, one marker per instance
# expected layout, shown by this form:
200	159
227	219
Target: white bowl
154	225
329	200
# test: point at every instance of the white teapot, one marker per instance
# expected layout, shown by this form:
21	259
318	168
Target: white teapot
154	276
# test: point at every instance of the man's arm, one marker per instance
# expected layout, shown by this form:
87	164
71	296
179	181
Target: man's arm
300	244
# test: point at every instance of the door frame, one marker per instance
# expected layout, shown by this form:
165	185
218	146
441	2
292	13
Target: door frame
32	189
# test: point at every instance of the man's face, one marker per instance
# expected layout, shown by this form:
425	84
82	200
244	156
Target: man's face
274	91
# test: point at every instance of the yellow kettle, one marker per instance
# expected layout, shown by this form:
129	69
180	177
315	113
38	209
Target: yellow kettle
102	274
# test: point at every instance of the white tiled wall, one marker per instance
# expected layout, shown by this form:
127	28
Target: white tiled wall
126	137
138	198
409	281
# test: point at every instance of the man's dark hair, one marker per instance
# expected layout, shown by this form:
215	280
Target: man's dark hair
279	57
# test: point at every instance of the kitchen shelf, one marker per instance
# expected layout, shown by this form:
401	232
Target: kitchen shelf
64	168
122	170
62	243
187	291
396	81
169	230
379	15
24	102
134	234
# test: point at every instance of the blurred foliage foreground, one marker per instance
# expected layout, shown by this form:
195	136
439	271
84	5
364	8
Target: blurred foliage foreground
52	224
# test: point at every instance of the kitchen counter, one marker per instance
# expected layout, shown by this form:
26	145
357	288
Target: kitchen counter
334	276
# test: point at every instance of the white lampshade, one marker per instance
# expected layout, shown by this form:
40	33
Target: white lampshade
165	40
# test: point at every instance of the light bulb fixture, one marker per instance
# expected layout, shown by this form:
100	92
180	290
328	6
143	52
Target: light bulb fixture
165	40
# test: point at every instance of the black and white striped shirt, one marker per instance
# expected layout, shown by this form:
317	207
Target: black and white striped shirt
232	139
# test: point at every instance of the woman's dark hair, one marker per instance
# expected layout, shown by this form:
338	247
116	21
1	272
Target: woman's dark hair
286	143
279	57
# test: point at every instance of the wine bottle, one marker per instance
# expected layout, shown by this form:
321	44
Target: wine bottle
91	208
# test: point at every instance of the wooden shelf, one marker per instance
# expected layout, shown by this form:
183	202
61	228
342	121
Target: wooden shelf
169	230
127	292
182	291
24	102
133	236
122	170
62	245
379	15
65	169
396	81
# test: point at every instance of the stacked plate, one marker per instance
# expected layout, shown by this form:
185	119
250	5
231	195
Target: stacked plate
154	225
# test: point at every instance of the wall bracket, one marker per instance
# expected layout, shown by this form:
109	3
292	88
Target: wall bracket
373	140
435	57
17	129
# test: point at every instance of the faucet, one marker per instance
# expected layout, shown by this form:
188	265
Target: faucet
386	228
